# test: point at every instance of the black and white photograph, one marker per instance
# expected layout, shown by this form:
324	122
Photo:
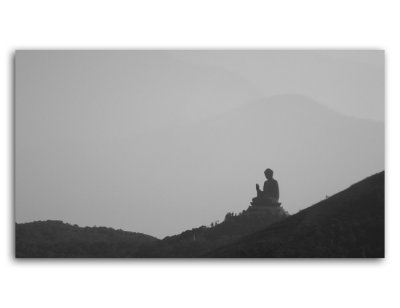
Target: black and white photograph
199	153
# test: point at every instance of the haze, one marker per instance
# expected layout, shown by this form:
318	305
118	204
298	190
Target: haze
163	141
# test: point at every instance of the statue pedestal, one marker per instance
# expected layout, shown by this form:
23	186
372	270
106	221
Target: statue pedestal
262	210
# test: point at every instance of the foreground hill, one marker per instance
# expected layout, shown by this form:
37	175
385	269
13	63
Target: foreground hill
55	239
349	224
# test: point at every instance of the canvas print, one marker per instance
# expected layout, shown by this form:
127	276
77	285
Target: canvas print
199	153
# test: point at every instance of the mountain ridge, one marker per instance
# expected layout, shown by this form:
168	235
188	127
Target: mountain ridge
349	224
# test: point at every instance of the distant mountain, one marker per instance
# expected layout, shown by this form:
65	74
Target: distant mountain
190	174
55	239
313	150
349	224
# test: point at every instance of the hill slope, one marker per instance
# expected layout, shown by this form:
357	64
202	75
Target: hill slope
349	224
55	239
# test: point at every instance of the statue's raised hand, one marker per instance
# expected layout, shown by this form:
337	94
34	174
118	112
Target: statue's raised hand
257	187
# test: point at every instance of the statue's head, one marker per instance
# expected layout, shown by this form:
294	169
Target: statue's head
269	173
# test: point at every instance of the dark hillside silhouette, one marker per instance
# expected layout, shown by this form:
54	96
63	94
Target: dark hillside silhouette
55	239
349	224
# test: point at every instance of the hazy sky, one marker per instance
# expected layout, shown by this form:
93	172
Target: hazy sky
162	141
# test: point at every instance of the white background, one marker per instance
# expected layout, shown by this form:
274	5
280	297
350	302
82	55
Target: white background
193	24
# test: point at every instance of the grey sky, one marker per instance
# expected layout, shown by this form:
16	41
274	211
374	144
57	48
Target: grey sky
162	141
